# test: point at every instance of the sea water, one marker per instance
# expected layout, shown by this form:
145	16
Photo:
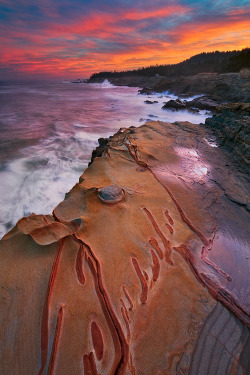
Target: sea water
48	131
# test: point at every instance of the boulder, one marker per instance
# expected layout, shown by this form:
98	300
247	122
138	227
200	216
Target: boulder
203	102
174	104
150	101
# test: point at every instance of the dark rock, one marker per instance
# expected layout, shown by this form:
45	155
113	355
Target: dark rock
164	84
243	108
150	102
228	87
203	102
193	110
103	146
174	104
80	80
232	128
145	90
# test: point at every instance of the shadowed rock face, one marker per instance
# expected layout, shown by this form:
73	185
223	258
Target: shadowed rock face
155	283
231	125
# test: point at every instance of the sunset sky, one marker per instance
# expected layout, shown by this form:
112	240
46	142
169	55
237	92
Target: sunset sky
74	38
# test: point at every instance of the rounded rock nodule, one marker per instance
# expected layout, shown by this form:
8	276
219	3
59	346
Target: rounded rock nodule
111	194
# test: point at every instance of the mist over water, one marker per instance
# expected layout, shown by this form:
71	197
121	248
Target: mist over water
48	132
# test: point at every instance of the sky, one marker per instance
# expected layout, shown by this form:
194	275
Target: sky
75	38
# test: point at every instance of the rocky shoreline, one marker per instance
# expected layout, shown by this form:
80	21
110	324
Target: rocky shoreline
226	87
226	95
143	268
136	271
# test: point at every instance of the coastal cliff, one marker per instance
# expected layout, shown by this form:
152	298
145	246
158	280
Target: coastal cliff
142	269
224	87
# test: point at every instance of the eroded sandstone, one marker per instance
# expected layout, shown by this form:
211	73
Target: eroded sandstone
155	283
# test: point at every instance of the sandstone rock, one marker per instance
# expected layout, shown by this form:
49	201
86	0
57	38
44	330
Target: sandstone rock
154	284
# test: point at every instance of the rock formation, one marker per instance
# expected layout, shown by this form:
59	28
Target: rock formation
142	269
174	104
231	125
226	87
202	102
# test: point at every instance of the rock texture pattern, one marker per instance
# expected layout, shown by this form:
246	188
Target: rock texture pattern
226	87
155	283
231	125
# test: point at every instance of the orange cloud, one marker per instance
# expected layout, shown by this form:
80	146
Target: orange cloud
125	39
211	32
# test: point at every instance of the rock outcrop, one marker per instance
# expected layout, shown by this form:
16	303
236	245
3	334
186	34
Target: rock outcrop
98	151
231	125
227	87
202	102
142	269
222	88
175	104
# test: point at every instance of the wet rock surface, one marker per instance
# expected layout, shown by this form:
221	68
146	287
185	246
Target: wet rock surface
174	104
202	102
111	194
154	284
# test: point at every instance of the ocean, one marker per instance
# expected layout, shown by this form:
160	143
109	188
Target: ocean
48	131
